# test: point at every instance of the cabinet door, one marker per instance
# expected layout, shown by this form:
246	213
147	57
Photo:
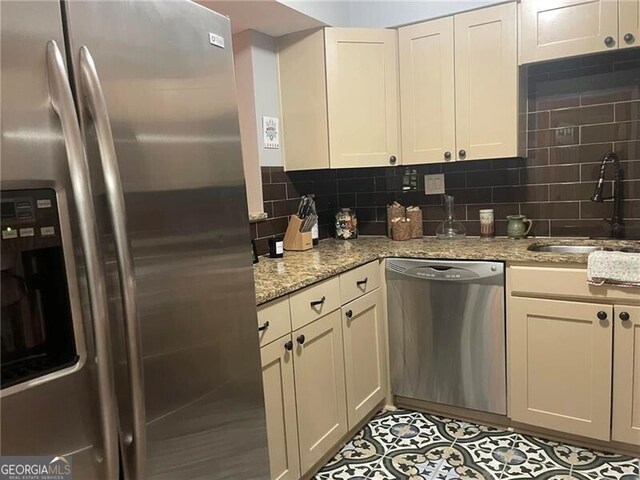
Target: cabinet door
303	100
486	81
565	28
320	388
280	407
629	26
626	376
363	355
362	97
427	105
560	365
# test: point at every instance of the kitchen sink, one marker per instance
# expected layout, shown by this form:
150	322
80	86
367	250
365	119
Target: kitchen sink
565	248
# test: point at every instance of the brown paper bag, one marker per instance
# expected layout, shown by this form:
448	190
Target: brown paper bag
395	210
415	215
401	229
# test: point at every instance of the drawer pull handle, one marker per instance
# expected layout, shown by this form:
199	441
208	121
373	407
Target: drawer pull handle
288	346
317	302
362	282
263	327
300	339
624	316
349	314
602	315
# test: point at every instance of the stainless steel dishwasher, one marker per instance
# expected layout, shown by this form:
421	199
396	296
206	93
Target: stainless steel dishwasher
447	332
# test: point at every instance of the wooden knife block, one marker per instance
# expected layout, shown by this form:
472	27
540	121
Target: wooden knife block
294	239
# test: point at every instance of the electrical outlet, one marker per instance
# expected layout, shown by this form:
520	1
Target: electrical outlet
434	184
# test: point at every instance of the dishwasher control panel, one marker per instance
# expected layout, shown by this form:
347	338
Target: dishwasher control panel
455	270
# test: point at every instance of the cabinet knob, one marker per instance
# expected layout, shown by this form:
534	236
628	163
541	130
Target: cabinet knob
392	159
263	327
602	315
288	346
462	154
447	155
629	38
300	339
624	316
348	313
609	41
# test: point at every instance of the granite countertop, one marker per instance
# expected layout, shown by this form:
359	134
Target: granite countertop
277	277
257	216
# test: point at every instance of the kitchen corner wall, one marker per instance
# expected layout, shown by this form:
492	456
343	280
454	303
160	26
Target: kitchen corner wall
577	110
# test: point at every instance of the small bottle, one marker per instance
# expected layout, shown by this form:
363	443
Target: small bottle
315	235
276	247
254	251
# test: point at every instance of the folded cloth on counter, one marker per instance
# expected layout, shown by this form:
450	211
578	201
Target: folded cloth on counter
614	268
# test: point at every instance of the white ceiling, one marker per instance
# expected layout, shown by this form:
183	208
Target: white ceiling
382	13
279	17
267	16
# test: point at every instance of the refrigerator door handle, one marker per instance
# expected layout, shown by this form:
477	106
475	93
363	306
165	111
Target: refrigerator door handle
64	106
92	91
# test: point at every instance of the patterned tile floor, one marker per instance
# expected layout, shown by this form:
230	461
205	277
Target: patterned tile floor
415	446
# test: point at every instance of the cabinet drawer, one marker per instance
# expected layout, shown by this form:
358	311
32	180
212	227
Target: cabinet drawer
569	281
315	301
274	320
357	282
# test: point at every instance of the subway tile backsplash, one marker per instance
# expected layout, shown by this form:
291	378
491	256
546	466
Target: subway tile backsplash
577	110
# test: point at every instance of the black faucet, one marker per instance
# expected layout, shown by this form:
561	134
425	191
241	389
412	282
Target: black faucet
617	228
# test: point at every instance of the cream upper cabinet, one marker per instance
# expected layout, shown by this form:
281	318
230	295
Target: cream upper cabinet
564	28
280	408
427	97
339	98
486	82
629	23
362	97
363	355
303	100
560	365
320	387
626	375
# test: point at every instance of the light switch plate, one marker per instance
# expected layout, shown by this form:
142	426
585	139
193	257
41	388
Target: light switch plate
434	184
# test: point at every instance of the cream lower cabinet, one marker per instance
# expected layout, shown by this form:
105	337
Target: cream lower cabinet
280	407
560	356
320	387
626	375
363	355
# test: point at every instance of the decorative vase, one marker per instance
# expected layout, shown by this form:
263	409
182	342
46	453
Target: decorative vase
517	226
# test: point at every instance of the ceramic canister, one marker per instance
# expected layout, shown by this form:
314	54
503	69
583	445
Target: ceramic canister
486	223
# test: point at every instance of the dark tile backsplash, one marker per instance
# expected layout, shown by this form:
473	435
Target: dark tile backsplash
578	110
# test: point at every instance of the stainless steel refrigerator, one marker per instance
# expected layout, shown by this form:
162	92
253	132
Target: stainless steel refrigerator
129	333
